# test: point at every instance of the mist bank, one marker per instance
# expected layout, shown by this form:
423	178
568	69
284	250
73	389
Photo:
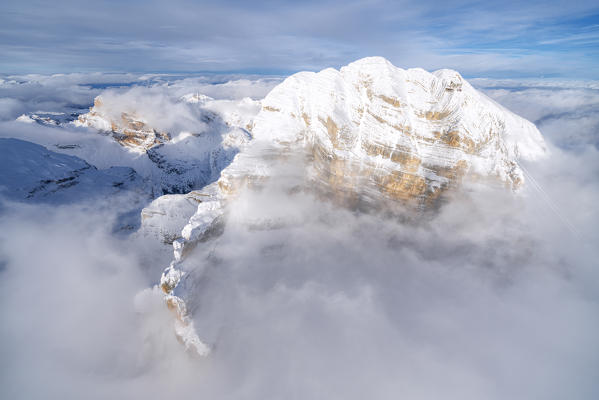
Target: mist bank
495	296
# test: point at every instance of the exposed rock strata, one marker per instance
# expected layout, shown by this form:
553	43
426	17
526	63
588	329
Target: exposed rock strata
375	133
129	129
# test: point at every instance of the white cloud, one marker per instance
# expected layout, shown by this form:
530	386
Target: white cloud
75	92
493	298
566	112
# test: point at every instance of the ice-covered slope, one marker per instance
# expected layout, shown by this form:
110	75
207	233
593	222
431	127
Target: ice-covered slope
370	134
33	173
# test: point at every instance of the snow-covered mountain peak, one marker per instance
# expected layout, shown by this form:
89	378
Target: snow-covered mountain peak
369	136
375	131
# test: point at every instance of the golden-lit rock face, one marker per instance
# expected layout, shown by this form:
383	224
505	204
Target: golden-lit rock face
374	133
127	128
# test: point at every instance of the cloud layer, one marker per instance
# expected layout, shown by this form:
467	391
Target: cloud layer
495	297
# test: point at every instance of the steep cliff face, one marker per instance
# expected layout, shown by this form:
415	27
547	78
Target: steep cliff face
377	133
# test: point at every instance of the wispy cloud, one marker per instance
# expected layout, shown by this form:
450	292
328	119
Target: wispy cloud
289	36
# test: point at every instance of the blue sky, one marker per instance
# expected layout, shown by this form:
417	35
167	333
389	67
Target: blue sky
480	39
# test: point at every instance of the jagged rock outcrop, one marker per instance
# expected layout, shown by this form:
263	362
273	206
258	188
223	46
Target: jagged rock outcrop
127	128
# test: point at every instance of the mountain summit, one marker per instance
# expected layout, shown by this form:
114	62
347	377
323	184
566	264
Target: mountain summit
377	132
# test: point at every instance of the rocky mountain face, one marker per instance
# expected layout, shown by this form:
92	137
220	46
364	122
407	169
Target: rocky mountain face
377	134
370	136
127	128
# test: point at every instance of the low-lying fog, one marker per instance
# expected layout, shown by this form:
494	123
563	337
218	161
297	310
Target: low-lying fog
496	297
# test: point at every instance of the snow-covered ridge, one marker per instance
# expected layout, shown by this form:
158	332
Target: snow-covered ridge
188	139
142	120
32	172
